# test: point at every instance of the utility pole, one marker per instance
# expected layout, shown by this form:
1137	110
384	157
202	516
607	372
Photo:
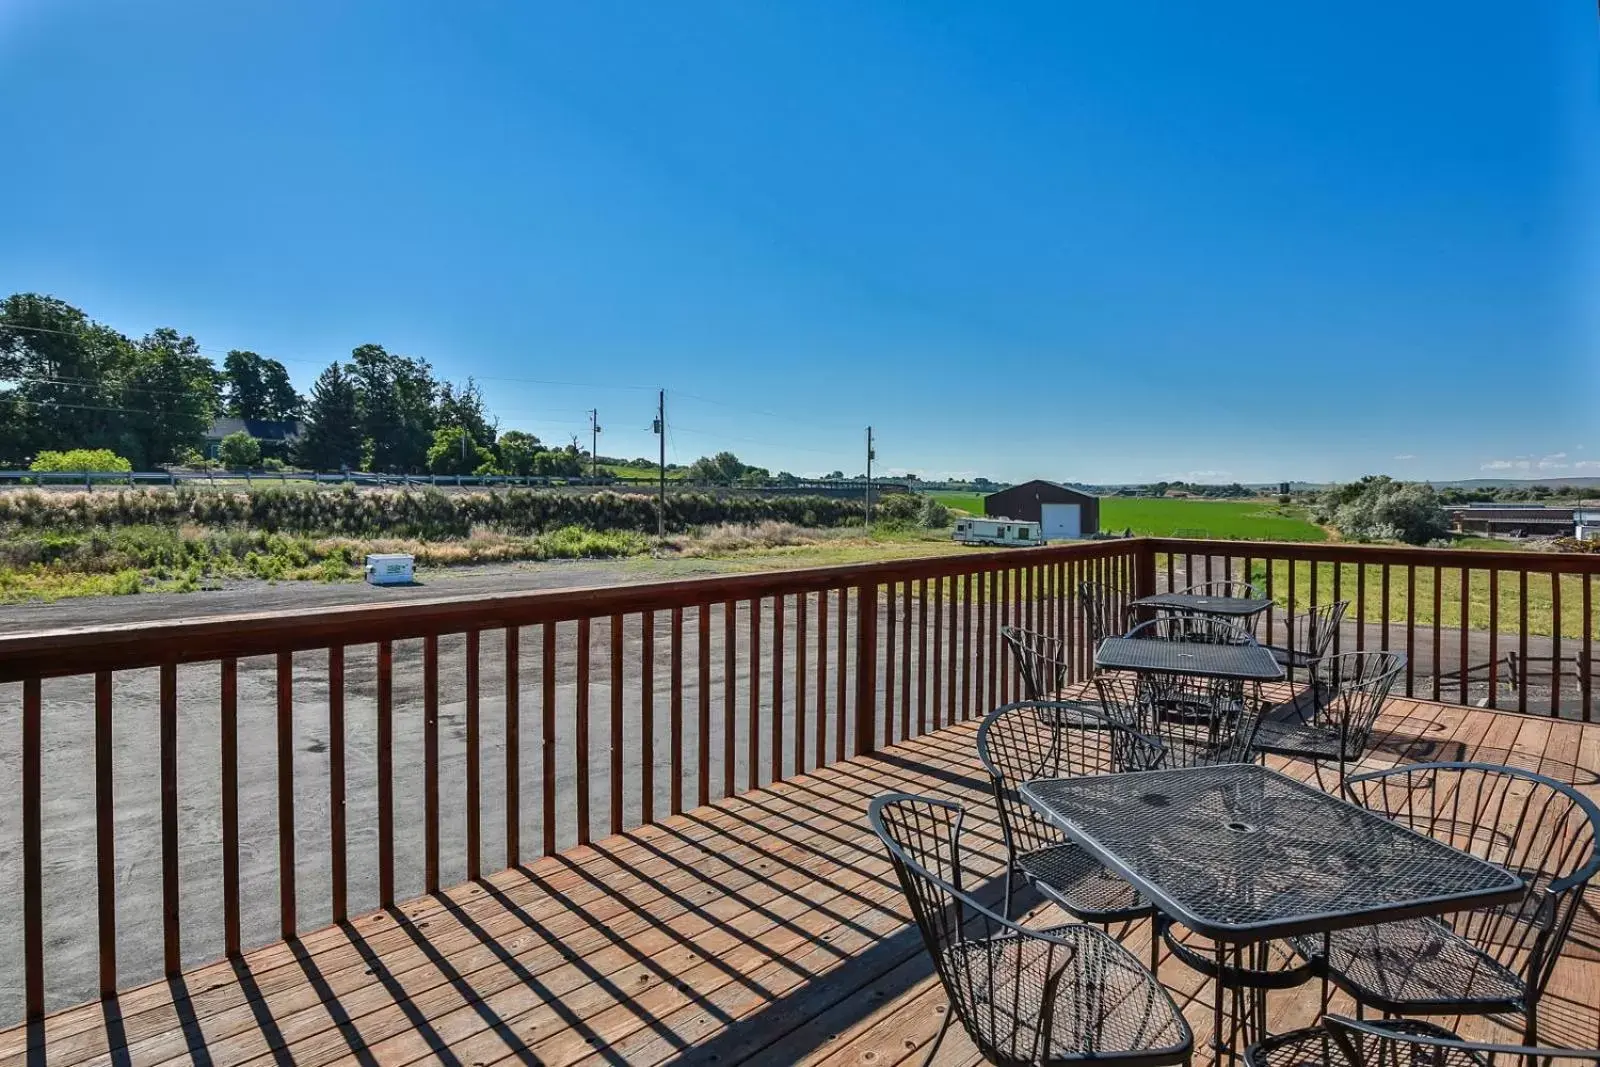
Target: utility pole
871	455
594	443
661	433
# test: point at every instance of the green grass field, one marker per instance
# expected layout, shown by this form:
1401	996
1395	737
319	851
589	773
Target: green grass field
1543	608
1229	520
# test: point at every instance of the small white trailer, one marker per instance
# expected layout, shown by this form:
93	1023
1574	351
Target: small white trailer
390	569
1007	532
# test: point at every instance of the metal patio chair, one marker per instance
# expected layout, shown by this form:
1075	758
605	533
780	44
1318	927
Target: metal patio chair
1177	691
1105	612
1064	995
1193	721
1341	1042
1041	661
1488	960
1332	721
1024	741
1310	636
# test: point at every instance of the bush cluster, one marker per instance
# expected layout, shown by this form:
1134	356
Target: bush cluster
428	514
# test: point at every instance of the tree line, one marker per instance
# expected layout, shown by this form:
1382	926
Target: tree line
68	383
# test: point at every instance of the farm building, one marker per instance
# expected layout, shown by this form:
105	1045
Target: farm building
1522	520
1061	512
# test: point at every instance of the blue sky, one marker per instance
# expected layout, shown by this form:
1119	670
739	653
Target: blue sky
1099	241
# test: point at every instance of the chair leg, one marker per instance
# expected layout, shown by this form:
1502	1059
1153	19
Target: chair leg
1006	911
1155	945
933	1048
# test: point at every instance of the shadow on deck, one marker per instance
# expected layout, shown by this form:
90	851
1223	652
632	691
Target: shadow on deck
766	928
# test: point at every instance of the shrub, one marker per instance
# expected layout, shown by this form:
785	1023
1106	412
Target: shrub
80	459
239	451
935	516
274	464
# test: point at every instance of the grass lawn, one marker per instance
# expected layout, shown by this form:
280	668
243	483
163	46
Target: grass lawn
971	503
1227	520
1541	601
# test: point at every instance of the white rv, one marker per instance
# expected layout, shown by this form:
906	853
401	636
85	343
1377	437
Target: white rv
1007	532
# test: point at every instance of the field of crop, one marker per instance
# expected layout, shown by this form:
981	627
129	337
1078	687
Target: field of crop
1232	520
1229	520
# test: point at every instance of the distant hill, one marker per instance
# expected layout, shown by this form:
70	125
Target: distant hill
1519	483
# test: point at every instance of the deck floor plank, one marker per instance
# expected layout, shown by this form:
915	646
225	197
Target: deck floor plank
764	928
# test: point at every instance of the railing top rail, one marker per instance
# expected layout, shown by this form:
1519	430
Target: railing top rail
1402	555
84	650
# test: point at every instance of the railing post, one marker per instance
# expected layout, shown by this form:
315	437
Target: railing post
866	667
1144	568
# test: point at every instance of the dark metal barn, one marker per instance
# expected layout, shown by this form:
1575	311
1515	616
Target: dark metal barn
1061	513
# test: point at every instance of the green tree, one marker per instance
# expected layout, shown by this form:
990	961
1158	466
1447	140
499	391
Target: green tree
518	452
332	437
170	391
239	451
724	468
255	387
455	452
464	408
63	376
396	398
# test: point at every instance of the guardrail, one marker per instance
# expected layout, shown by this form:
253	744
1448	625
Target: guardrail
585	711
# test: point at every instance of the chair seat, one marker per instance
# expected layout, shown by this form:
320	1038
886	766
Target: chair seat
1106	1005
1416	966
1291	657
1311	740
1082	885
1316	1047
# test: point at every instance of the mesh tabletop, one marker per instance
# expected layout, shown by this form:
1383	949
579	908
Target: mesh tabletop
1240	852
1235	607
1250	663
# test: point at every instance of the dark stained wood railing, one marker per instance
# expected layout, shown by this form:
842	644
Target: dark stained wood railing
1498	629
385	750
397	749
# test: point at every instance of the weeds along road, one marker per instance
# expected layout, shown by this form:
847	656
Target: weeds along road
69	817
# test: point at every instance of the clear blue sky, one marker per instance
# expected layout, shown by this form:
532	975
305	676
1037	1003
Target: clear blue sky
1102	241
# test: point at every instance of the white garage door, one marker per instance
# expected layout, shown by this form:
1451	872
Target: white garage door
1061	522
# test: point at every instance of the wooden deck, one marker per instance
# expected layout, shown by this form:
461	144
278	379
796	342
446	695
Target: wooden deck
762	929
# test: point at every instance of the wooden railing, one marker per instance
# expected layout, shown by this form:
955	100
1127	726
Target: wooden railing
359	756
1509	629
212	784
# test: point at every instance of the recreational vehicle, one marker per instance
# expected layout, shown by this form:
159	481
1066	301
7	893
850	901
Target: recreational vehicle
1007	532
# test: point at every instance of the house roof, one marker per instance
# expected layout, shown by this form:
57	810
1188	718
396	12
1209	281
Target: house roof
260	429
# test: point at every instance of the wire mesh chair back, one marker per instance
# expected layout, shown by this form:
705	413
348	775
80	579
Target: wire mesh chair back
1311	632
1103	611
1538	828
1002	979
1192	721
1350	690
1021	742
1414	1043
1241	590
1197	629
1041	660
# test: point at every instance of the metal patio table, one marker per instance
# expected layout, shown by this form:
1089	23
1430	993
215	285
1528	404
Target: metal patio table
1243	663
1243	854
1238	608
